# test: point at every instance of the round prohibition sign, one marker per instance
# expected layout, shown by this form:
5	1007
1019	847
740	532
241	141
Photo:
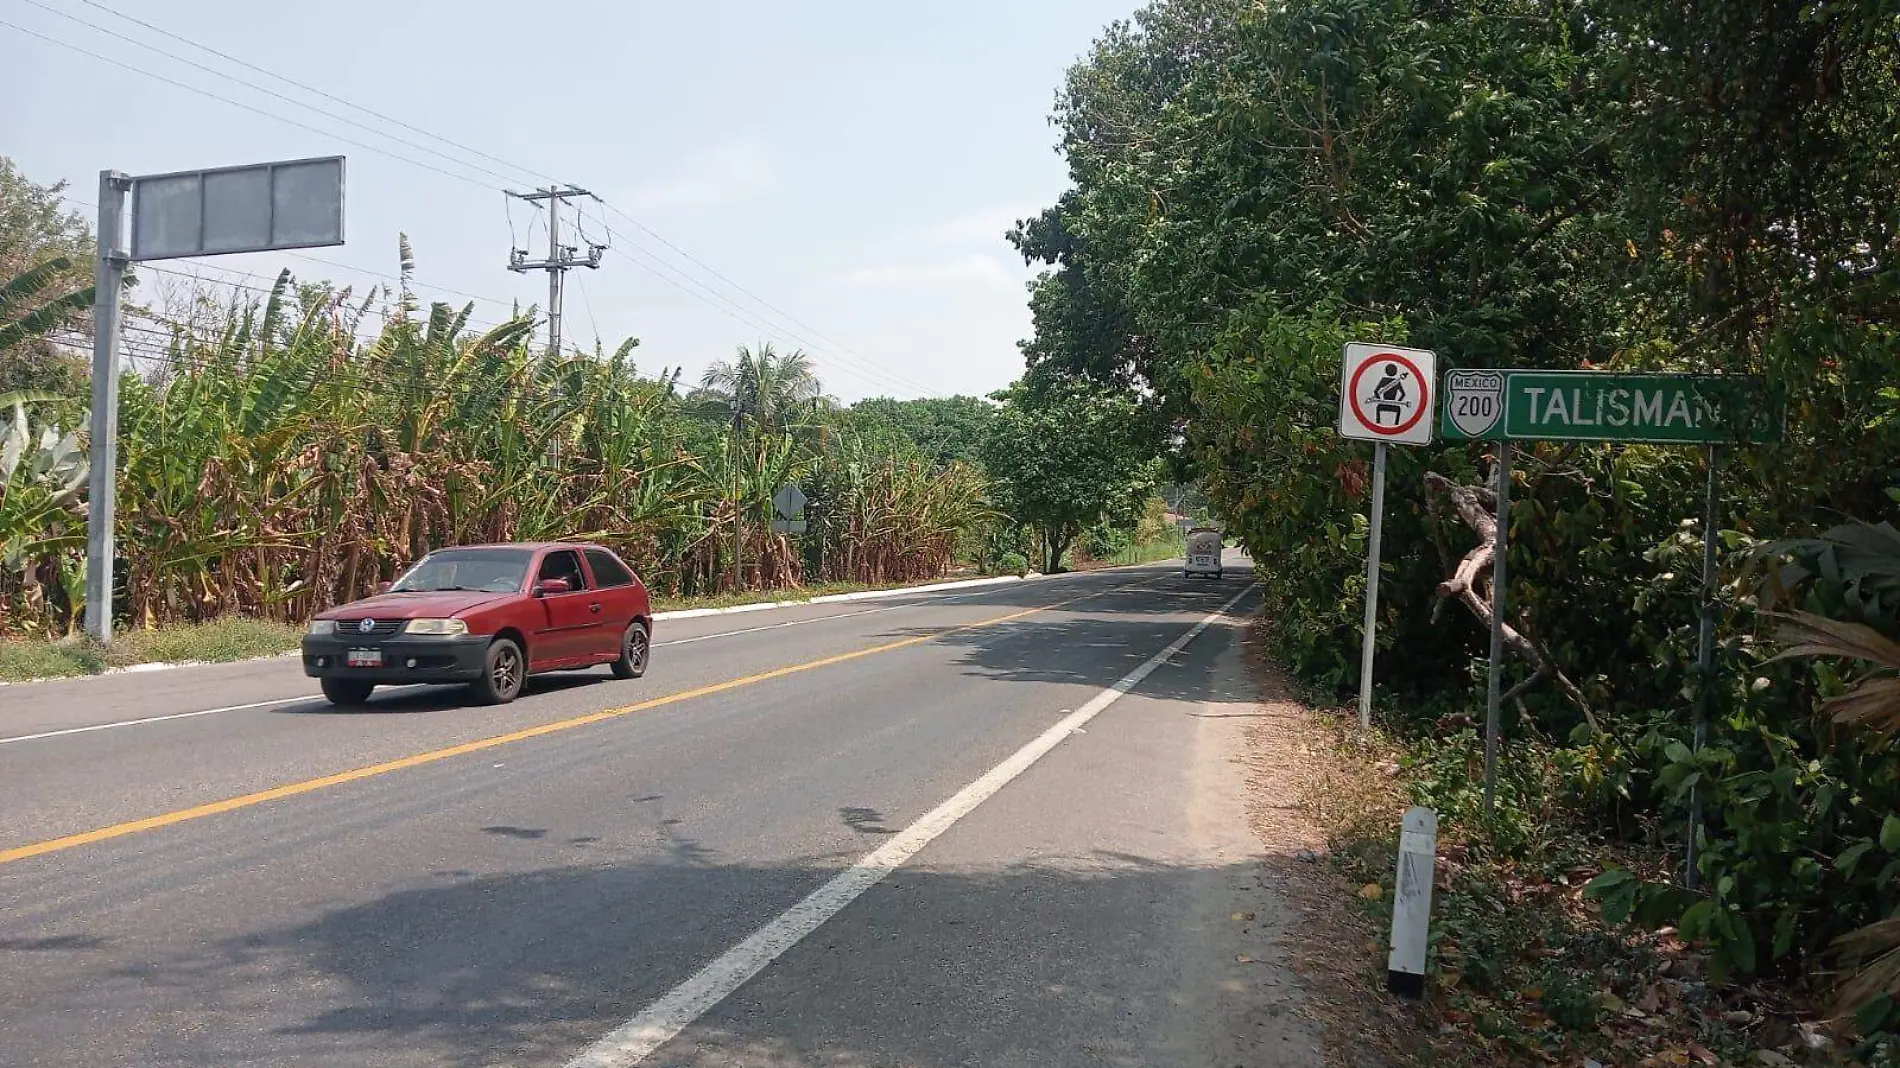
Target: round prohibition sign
1352	394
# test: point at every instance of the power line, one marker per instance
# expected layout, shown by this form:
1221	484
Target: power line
254	87
162	345
236	104
845	354
510	303
309	88
655	235
875	376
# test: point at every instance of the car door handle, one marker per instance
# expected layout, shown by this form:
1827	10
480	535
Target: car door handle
593	608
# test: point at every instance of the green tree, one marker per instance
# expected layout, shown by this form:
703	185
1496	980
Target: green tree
47	252
1623	184
945	430
1064	456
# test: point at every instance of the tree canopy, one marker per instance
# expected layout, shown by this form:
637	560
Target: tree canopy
1698	186
1065	456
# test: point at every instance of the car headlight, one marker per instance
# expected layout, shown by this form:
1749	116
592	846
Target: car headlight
444	628
323	626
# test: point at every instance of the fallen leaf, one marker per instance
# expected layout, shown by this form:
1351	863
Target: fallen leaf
1772	1059
1245	959
1701	1052
1609	1002
1371	892
1243	917
1651	999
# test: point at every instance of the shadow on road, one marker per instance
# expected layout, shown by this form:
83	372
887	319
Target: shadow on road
1064	961
424	698
1107	637
1097	959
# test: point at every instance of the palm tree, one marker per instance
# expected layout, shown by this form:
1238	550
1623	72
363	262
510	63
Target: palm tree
774	391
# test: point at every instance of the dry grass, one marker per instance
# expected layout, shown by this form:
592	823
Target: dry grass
1562	986
231	638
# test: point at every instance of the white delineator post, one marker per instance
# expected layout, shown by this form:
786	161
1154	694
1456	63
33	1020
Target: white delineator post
1412	903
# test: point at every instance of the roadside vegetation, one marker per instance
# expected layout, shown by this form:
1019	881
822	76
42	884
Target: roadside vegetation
1607	184
215	641
284	451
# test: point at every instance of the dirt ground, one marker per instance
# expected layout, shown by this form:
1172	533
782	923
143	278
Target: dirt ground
1299	781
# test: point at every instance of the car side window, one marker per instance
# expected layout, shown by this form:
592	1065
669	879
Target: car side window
608	570
565	564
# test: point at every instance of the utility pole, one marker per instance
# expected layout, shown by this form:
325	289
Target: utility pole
560	259
738	494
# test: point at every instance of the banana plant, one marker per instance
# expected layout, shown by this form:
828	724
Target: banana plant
41	479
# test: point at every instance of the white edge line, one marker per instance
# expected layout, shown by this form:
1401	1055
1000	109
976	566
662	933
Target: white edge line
663	1020
153	719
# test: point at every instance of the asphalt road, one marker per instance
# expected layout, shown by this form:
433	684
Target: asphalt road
925	831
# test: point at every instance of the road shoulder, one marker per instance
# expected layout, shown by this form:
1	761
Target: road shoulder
1301	780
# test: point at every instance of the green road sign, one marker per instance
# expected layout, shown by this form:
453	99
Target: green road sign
1493	405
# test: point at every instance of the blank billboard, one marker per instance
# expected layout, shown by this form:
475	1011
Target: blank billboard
258	208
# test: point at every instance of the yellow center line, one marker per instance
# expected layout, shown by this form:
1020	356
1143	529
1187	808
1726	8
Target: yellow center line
278	793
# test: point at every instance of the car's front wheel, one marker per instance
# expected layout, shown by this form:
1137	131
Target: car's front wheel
347	692
504	671
635	647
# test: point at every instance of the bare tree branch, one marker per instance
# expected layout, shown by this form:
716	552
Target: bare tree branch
1468	502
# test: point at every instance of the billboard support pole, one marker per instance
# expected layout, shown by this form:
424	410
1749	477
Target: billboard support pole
103	449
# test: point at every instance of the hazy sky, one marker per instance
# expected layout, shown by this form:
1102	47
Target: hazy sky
853	164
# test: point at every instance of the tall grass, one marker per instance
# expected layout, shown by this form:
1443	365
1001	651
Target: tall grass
313	444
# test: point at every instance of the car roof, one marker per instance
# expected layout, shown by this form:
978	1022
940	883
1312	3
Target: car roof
534	546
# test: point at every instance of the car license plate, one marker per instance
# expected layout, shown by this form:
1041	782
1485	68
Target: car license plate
1204	561
365	658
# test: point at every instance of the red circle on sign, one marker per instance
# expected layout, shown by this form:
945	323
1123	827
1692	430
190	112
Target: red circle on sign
1424	394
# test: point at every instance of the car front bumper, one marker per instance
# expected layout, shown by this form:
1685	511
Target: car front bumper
405	659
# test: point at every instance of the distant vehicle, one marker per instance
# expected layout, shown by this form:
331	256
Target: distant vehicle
488	616
1203	552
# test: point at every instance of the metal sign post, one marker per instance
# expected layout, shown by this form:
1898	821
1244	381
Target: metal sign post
1705	665
1374	539
257	208
1386	396
1494	682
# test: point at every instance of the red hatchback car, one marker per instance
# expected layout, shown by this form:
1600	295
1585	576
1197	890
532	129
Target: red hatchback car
488	616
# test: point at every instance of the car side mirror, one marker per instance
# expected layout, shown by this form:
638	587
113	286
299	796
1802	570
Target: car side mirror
548	586
383	587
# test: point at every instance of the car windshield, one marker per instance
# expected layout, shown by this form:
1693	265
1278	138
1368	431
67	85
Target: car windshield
477	570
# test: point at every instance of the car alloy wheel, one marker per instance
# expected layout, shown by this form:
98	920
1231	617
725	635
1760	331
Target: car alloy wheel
505	670
636	646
